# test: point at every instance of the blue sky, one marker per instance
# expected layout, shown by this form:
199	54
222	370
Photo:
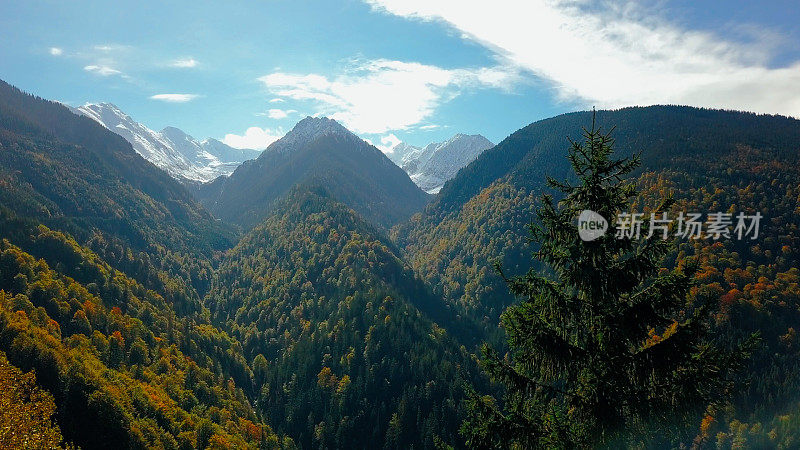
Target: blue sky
411	70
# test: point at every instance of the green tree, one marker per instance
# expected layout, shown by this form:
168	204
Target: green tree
260	367
204	433
81	323
138	352
606	348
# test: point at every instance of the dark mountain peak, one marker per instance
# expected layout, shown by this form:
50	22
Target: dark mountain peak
317	125
307	131
317	151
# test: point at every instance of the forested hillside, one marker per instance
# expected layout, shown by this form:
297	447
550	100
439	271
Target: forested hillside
756	281
123	367
482	213
710	161
71	171
133	318
71	174
104	262
337	327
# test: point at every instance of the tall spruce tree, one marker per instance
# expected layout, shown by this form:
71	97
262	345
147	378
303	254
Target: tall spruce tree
606	348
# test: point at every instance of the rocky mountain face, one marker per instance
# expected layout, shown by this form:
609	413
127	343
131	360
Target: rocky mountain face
177	153
317	153
433	165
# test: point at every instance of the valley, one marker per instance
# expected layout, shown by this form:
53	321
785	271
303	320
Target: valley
165	292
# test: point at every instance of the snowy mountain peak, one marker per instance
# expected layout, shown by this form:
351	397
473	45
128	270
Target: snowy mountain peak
105	107
431	166
307	130
171	149
399	151
211	141
311	127
107	114
175	133
466	141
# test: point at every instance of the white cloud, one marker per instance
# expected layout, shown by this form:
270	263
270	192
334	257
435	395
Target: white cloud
381	95
56	51
108	48
279	113
618	54
277	100
174	98
102	70
255	138
388	143
184	63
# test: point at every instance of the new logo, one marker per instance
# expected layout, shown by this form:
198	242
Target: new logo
591	225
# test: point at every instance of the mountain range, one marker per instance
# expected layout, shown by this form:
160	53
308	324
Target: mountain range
436	163
492	199
317	152
189	160
316	297
170	149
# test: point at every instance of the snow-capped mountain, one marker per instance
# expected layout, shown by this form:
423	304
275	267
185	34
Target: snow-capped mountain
321	155
399	151
172	150
431	166
307	130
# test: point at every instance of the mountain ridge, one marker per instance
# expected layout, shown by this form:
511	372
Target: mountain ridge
171	149
511	176
82	175
104	259
342	330
430	167
317	151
